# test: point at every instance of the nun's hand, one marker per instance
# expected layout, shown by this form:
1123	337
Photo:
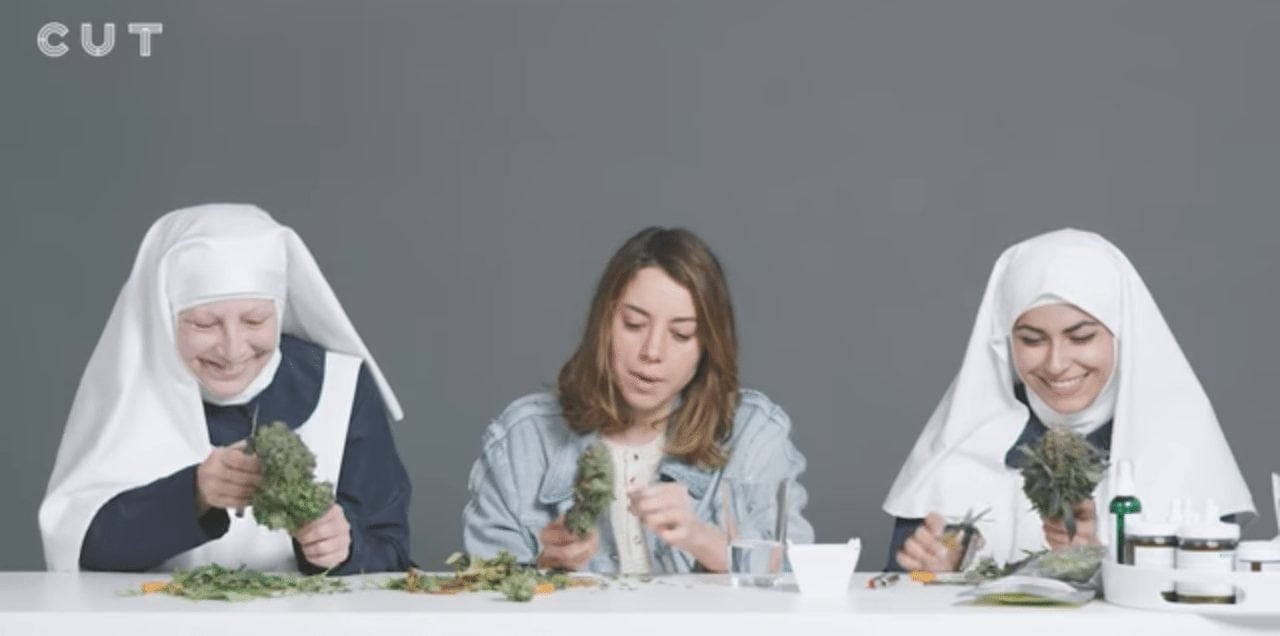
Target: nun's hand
563	550
227	478
924	549
1086	514
326	542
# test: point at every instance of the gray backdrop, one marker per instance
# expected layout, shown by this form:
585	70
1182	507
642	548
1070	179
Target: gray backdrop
463	169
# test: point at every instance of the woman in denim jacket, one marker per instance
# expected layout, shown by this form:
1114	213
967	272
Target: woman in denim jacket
655	379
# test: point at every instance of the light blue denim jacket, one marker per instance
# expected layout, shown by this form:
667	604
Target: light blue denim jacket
523	481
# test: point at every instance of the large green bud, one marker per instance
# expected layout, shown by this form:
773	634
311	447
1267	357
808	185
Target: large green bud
1064	468
289	495
592	490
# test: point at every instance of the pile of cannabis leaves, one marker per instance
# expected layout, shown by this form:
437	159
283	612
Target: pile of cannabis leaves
288	496
217	583
499	574
1061	470
592	494
592	490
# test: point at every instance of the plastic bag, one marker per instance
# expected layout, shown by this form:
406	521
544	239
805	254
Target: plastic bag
1062	577
1028	590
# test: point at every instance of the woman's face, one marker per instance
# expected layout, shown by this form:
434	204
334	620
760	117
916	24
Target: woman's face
1064	355
226	343
655	349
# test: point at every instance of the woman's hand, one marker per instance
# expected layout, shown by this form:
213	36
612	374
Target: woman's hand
563	550
667	511
925	550
227	478
1086	515
326	542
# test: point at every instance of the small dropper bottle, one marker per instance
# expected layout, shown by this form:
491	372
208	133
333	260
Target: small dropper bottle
1124	503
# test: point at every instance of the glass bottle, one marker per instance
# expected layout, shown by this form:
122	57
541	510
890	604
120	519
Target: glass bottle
1123	504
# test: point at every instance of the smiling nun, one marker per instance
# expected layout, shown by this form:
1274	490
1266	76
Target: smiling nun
1067	336
225	318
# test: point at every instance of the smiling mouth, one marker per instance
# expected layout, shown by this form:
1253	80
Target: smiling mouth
224	370
1065	385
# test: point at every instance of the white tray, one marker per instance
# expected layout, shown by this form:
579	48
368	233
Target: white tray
1256	592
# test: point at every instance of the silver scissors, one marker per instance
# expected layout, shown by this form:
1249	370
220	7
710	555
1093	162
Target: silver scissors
965	536
248	447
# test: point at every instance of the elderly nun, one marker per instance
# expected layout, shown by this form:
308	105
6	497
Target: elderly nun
225	321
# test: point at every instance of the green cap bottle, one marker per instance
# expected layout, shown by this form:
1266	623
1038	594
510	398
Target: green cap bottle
1124	503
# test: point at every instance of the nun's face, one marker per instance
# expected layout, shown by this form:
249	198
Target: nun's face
1064	355
226	343
655	348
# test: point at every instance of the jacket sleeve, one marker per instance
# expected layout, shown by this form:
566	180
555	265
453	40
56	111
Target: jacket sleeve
490	520
764	453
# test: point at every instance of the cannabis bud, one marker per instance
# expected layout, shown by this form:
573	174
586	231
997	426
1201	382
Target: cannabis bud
520	585
592	490
289	495
1061	470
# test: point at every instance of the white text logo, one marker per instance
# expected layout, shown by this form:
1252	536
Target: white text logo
51	38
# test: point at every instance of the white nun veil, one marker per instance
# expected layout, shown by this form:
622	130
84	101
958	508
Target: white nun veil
1164	423
137	414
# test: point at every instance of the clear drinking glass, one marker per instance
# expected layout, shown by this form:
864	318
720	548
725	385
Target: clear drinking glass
753	513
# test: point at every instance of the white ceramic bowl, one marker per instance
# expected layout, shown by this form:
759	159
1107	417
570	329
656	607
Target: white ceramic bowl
824	569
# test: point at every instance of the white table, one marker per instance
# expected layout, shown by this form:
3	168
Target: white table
91	604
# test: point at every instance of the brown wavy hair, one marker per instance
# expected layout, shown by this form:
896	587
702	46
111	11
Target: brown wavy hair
703	421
